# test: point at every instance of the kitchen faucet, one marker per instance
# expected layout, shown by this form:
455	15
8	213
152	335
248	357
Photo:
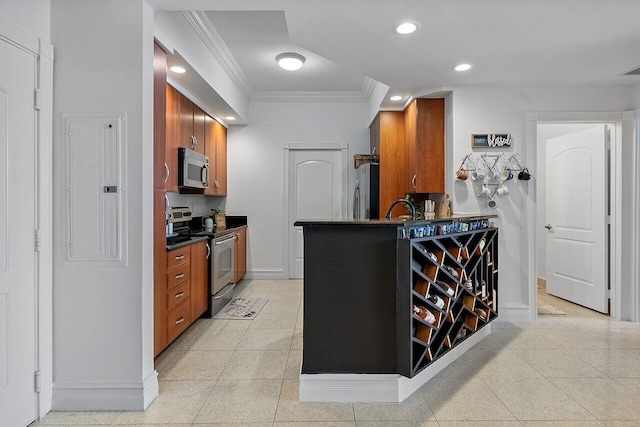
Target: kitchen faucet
406	202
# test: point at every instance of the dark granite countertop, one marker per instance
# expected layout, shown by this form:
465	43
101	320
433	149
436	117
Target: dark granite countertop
398	222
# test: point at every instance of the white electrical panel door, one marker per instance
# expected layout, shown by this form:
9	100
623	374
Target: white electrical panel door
95	225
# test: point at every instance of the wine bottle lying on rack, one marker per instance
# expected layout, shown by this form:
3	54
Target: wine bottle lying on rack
424	313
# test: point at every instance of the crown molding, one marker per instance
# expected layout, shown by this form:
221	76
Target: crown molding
218	48
311	96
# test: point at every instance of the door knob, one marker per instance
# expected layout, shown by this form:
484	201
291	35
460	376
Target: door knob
548	227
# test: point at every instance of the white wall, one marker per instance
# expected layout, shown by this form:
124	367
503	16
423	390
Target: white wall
102	314
504	109
255	172
547	131
635	96
30	16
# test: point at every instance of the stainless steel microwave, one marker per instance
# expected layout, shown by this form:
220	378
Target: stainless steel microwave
193	169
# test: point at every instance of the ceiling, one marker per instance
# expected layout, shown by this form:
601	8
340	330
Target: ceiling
349	42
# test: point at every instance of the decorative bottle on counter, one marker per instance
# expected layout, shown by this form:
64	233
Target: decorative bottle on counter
425	314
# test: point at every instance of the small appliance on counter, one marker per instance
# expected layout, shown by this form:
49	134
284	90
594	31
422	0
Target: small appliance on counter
178	226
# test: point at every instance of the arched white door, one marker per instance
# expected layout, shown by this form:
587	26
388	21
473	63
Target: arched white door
316	190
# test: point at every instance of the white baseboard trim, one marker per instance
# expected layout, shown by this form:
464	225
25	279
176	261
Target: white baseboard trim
514	313
105	396
264	274
378	388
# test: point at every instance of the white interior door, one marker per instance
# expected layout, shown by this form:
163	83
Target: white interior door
17	223
316	191
576	217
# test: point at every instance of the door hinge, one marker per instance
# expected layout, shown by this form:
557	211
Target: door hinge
36	240
36	381
36	99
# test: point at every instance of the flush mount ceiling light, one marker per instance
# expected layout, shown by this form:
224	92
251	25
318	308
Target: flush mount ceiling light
230	118
407	27
395	98
178	69
290	61
462	67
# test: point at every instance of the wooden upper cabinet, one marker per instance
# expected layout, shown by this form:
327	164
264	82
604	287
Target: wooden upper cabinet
172	136
199	129
374	136
391	152
159	117
424	124
216	150
186	123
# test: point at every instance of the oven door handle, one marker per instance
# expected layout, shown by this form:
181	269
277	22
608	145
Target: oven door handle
222	242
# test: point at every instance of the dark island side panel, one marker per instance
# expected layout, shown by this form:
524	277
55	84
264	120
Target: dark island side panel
349	299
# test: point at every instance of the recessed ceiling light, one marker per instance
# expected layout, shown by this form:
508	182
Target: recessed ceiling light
462	67
290	61
395	98
231	118
407	27
178	69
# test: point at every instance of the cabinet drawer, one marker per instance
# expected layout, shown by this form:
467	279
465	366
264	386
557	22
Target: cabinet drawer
178	319
178	275
178	256
177	295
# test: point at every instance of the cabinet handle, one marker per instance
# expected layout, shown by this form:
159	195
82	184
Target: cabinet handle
373	152
208	250
193	142
413	181
180	257
216	183
180	320
238	235
179	276
166	176
180	295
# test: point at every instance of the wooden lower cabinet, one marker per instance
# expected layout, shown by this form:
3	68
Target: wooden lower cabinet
180	293
200	253
159	271
241	255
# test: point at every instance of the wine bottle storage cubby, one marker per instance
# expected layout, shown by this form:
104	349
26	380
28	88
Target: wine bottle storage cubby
455	277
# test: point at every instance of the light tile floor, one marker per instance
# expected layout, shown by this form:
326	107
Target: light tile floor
582	369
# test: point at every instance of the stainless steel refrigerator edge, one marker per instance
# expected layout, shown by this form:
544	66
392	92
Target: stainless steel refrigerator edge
366	192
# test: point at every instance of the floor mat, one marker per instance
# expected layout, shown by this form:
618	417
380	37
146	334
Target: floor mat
548	309
241	308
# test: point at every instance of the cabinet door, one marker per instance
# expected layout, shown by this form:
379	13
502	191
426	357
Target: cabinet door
216	150
159	117
199	280
241	255
424	138
392	161
186	123
159	272
172	136
199	129
220	182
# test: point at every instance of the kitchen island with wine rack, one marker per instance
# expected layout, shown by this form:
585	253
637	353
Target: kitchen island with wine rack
389	303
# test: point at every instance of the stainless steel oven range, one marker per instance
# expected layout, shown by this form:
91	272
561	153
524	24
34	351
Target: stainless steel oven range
221	269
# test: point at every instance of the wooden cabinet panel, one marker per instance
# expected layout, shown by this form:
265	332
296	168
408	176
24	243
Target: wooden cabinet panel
241	255
216	150
178	275
186	122
159	116
391	149
199	280
172	136
177	295
178	320
424	141
199	129
178	256
159	272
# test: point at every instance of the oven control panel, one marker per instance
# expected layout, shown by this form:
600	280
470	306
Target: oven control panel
179	214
